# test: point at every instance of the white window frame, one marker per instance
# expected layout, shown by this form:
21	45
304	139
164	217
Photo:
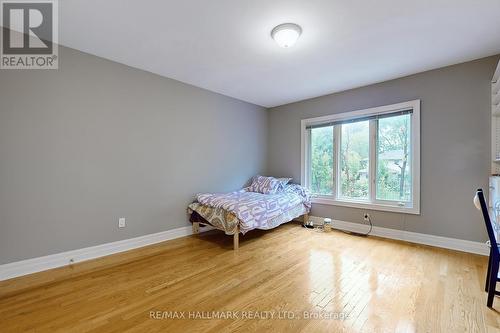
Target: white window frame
372	203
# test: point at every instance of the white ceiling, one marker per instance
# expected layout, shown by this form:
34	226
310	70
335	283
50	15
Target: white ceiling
225	45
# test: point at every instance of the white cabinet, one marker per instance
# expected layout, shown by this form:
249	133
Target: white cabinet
495	123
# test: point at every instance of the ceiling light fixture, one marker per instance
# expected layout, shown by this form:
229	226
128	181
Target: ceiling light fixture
286	34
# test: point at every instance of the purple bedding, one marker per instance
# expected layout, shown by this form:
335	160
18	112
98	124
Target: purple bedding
257	210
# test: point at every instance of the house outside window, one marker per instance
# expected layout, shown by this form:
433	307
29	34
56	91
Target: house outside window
365	159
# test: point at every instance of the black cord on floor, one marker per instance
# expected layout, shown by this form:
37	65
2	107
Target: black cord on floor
360	234
311	226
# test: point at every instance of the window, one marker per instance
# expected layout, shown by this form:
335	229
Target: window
354	160
394	159
322	160
365	159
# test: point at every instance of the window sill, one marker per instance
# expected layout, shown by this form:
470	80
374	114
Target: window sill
365	205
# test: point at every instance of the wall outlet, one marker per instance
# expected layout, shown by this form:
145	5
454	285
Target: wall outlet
122	222
366	217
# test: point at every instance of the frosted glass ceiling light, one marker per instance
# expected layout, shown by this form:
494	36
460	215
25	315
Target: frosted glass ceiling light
286	34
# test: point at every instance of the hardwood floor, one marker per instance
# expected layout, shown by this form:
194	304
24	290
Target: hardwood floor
289	272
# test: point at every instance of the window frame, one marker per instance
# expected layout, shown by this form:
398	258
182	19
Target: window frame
372	203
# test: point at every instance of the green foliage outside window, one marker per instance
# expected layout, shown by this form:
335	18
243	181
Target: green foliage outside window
393	159
322	160
393	165
354	163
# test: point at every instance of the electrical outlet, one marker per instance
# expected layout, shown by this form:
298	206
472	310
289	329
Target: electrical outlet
122	222
366	217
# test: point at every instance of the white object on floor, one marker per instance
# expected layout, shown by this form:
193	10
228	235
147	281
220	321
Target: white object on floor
327	224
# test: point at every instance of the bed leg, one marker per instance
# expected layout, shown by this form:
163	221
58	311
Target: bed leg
196	227
236	240
306	218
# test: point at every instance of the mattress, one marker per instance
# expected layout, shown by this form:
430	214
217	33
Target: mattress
244	210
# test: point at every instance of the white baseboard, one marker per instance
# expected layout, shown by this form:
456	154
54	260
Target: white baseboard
412	237
29	266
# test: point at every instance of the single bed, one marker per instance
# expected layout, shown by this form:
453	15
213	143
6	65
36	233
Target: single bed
244	210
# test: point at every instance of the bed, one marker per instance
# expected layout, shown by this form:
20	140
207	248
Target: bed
247	209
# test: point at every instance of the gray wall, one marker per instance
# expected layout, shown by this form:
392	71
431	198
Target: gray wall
96	140
455	144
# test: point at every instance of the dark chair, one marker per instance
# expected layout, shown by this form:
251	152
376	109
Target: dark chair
494	259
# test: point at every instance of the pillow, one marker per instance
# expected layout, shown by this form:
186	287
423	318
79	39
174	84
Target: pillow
264	185
282	184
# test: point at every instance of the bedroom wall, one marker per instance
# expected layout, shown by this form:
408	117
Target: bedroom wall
455	145
96	140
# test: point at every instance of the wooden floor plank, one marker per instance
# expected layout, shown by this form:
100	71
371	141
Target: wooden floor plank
290	272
